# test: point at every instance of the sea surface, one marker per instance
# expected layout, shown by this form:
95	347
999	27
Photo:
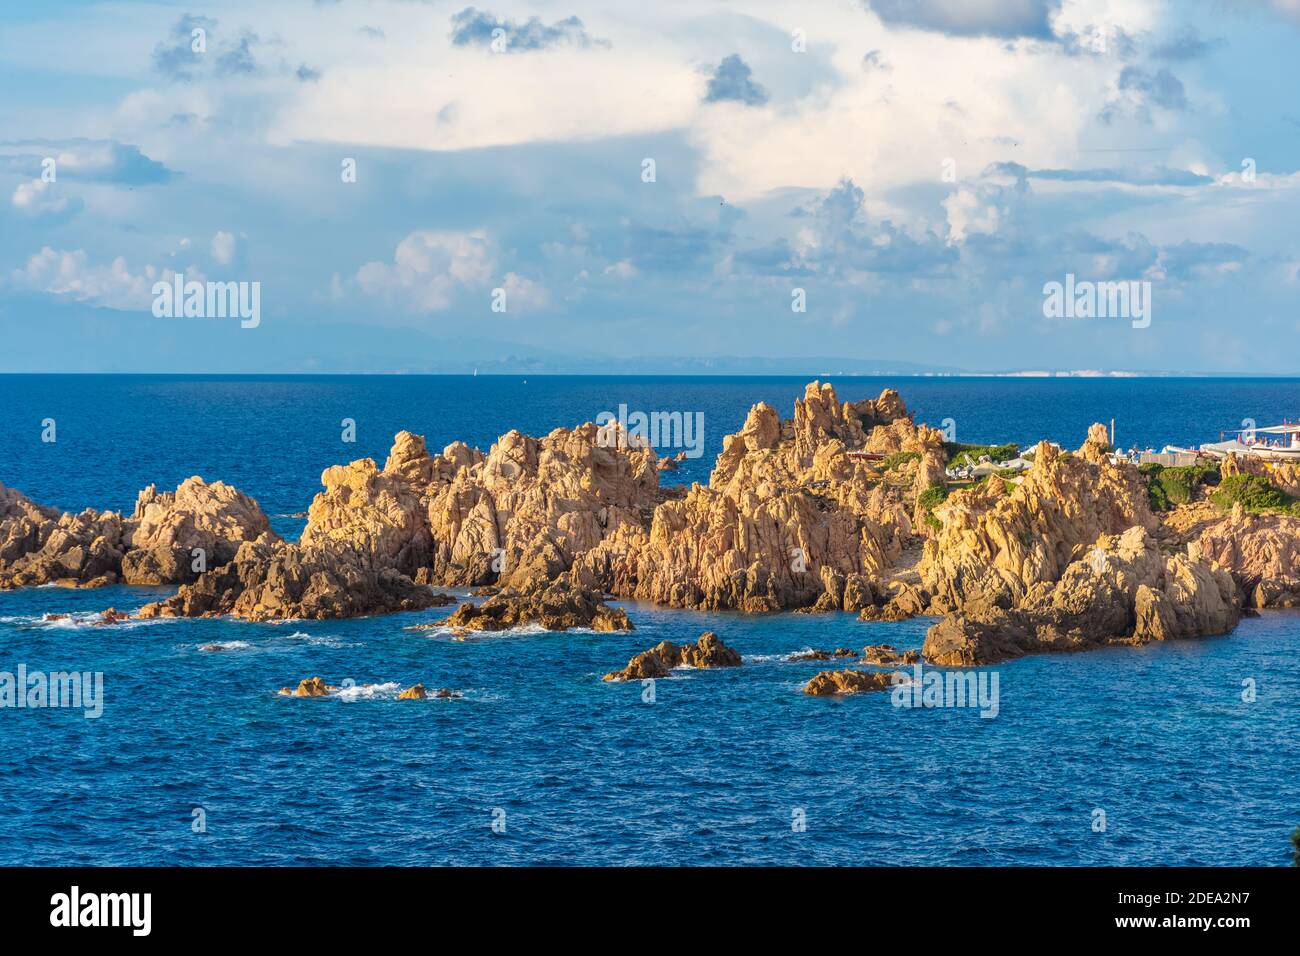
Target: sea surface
1190	750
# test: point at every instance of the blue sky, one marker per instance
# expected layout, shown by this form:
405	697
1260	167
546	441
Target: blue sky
920	170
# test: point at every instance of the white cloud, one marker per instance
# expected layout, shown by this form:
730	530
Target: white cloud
223	248
429	268
37	199
72	274
623	269
523	294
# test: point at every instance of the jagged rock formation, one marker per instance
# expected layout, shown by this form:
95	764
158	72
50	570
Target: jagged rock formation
40	545
708	651
309	687
789	518
996	545
273	580
831	683
525	512
557	606
154	546
1124	590
797	514
167	529
417	692
1261	551
886	655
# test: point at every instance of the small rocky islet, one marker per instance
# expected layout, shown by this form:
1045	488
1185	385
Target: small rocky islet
845	507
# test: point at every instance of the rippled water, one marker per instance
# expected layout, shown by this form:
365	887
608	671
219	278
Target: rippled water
713	771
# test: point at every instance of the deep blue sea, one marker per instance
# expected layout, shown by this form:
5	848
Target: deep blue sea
723	767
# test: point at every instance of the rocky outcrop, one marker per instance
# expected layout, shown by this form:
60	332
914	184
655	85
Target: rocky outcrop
176	535
708	651
1096	447
309	687
274	580
417	692
996	545
818	655
40	545
832	683
797	514
524	513
156	545
558	606
1262	552
1124	590
886	655
791	516
900	601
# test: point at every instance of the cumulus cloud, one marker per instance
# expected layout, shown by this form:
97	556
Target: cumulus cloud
38	199
431	271
71	274
430	268
732	81
474	27
523	294
836	238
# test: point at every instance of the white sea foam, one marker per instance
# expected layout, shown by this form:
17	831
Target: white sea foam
75	620
523	630
368	691
225	646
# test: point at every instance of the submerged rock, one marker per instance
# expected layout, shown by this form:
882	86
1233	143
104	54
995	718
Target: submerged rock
816	655
886	655
708	651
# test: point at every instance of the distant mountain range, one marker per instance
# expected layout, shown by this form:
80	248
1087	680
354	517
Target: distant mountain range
77	338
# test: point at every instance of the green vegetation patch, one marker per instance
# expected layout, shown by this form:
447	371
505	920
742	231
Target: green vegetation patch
970	454
1254	494
1168	487
930	499
898	458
